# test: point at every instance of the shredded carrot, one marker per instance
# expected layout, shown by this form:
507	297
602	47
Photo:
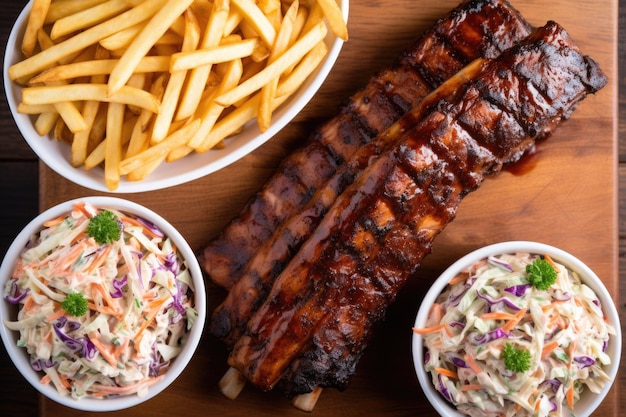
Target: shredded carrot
108	389
106	296
45	379
549	348
513	322
105	350
80	206
29	302
497	315
54	222
458	278
436	313
154	307
447	372
66	262
137	223
431	329
64	381
550	261
569	394
105	310
102	256
52	317
472	387
472	363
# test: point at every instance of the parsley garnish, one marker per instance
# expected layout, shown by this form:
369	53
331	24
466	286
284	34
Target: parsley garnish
104	227
541	274
515	359
75	304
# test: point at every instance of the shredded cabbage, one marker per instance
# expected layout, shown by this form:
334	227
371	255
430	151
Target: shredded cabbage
140	305
491	305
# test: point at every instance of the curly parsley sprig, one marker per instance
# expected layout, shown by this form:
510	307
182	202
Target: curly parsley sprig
75	304
516	359
104	227
541	274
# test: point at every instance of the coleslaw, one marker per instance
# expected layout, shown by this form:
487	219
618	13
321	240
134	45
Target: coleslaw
101	319
497	345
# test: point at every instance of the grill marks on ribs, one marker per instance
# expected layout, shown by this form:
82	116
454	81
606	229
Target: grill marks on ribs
475	28
466	33
321	310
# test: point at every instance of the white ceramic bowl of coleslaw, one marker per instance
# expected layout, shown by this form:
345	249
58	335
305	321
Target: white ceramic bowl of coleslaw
194	297
57	154
437	388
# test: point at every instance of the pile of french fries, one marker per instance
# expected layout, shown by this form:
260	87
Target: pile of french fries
133	83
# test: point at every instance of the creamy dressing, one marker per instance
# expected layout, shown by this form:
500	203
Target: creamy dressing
140	305
492	304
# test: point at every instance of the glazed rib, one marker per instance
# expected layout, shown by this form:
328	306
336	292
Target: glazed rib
339	285
476	21
475	28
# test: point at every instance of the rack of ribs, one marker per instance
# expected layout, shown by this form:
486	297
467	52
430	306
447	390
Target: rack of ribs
476	20
475	28
320	312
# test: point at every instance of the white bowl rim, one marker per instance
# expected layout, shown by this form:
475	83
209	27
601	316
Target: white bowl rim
589	277
19	356
173	173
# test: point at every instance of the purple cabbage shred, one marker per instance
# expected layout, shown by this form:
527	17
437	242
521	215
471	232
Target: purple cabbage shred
502	300
443	390
584	361
118	284
15	295
518	290
499	263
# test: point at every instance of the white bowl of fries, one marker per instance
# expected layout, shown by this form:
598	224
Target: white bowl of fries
73	367
180	90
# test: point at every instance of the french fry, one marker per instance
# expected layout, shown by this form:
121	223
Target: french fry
70	114
36	20
79	92
133	84
80	144
255	17
179	137
113	148
98	67
47	58
335	18
175	83
274	69
215	55
45	122
151	32
88	17
299	75
268	91
213	111
35	108
199	75
61	8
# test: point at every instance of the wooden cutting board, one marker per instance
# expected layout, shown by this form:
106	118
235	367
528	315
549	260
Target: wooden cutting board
564	196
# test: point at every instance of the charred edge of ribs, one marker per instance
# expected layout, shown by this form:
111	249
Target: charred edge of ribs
378	231
467	32
229	319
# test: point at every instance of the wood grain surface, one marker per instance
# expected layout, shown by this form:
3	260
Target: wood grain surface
565	196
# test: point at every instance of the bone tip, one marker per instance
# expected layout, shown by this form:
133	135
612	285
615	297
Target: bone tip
306	402
232	383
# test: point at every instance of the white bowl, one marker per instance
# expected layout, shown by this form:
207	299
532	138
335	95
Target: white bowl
57	155
588	401
9	311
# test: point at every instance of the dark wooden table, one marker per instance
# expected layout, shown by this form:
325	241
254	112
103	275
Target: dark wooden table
19	171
